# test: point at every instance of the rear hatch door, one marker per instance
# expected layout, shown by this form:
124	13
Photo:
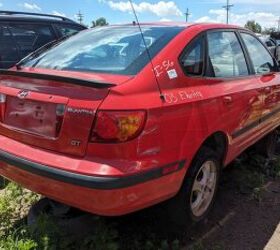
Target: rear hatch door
54	112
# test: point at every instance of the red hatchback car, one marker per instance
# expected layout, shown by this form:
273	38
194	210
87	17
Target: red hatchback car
92	122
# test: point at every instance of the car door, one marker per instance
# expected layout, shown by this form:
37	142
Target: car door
239	92
267	72
227	93
9	51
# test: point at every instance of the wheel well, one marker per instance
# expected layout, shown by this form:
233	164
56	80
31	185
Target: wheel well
218	142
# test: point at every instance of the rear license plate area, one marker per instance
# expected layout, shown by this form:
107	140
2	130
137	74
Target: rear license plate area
31	116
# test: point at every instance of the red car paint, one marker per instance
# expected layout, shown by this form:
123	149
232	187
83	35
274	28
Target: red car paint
116	178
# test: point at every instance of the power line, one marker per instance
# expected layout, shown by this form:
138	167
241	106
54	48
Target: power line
227	8
80	17
187	15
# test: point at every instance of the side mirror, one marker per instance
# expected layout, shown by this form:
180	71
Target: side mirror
263	70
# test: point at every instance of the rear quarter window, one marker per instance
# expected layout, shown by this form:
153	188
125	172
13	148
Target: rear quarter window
192	60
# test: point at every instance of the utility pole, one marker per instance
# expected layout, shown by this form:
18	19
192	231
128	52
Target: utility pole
227	8
187	15
80	17
278	21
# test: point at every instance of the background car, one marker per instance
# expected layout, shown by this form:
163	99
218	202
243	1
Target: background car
21	33
270	43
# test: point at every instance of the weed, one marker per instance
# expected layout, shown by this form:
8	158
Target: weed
197	246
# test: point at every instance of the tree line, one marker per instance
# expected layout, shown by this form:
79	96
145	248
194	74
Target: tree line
257	28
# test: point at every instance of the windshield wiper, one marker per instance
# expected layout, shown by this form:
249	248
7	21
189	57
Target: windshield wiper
40	50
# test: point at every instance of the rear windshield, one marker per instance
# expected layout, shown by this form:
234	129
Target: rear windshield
116	50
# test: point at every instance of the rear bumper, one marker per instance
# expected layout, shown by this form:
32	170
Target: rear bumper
95	182
109	196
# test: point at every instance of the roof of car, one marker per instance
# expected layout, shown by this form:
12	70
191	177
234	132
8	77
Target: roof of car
34	17
186	25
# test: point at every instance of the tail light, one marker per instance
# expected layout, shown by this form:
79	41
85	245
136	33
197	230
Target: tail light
118	126
60	111
2	106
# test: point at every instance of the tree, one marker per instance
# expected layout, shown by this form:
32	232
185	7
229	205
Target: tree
254	26
269	31
99	22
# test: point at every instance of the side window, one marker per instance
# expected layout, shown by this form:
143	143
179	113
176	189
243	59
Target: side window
31	37
67	30
8	49
226	57
261	59
193	59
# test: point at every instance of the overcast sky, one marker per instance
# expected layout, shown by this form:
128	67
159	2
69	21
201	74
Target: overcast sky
266	12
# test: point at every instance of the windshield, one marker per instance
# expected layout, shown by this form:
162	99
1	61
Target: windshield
117	50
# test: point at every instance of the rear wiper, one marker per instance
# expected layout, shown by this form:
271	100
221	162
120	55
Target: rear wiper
40	50
57	78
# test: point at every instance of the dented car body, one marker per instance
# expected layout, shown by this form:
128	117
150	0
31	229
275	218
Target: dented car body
101	128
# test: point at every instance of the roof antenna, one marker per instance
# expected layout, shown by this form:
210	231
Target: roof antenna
147	50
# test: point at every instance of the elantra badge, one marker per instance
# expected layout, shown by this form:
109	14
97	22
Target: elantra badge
23	94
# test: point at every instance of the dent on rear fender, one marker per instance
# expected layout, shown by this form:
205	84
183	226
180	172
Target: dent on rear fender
148	143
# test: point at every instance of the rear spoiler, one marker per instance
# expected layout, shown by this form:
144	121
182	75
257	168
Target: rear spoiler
72	80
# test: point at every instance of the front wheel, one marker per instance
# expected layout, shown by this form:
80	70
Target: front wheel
199	189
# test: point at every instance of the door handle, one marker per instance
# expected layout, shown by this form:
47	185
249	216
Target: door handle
227	99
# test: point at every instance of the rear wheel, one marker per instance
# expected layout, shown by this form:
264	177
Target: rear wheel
199	189
203	188
3	182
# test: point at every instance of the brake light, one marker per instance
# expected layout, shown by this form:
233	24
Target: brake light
60	111
118	126
2	106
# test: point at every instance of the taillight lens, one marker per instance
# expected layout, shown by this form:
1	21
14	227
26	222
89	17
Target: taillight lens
2	106
118	126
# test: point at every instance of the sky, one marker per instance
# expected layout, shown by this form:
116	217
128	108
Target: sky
266	12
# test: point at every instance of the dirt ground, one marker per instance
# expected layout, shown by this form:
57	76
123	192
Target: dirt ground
247	224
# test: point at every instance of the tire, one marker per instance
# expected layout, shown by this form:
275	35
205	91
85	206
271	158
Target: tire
267	146
185	206
3	182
